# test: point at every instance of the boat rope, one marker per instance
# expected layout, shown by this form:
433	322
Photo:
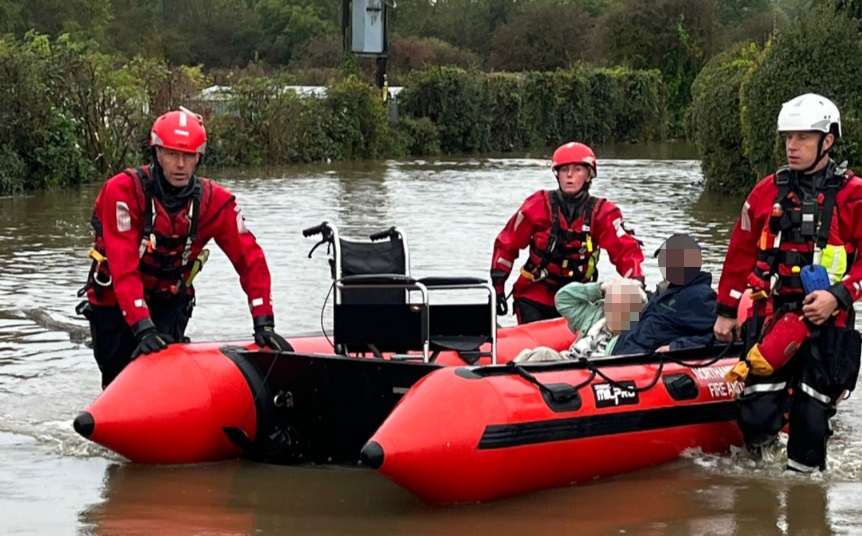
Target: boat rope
555	392
591	366
559	394
633	388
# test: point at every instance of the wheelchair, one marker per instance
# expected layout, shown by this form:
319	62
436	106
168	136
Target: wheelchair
376	310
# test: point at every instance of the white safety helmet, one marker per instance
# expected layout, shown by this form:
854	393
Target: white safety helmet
810	112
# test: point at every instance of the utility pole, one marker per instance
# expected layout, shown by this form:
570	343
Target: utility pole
345	26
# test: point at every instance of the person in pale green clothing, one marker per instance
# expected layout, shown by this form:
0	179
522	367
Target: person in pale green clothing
598	312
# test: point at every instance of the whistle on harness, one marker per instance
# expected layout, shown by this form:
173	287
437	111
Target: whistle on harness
759	295
96	256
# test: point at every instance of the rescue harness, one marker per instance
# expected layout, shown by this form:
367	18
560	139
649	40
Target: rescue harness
571	251
157	252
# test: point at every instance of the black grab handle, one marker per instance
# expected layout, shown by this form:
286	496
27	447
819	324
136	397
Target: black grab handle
382	234
317	229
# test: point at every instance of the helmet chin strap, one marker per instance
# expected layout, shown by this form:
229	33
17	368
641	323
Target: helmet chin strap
820	154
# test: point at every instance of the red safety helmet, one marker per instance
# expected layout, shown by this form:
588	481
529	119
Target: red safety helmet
573	153
179	130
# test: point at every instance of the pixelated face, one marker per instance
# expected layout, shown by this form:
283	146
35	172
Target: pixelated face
623	304
679	265
572	177
801	148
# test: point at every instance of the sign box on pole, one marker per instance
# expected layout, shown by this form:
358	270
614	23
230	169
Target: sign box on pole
369	27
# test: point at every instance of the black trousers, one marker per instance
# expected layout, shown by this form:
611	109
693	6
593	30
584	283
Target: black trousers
113	340
529	311
819	373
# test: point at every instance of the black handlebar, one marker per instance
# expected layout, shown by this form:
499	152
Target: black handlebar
383	234
317	229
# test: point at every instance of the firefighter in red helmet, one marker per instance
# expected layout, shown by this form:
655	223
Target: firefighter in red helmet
565	230
151	224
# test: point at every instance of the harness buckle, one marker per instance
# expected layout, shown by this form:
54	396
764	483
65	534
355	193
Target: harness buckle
532	277
98	258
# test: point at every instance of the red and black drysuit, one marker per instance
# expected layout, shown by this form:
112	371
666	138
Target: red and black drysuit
558	230
811	213
150	235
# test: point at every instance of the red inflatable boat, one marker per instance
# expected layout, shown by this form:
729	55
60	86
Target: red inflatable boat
482	433
200	402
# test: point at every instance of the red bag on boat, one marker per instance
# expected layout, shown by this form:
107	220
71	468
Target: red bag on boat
782	339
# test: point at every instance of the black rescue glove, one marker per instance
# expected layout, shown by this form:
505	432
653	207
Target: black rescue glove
265	335
149	340
502	305
498	280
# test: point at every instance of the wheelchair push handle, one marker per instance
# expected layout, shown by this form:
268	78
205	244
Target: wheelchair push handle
324	229
388	233
317	229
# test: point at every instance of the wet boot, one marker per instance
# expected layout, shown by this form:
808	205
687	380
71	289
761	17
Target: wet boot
763	448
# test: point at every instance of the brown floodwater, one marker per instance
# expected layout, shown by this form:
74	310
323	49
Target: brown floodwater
54	482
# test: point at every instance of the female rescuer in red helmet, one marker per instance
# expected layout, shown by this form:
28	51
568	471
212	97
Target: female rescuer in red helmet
565	230
151	224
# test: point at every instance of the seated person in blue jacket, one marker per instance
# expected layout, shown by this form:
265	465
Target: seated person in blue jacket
679	313
611	319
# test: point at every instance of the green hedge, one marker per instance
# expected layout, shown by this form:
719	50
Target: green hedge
477	112
643	98
456	101
510	128
266	124
70	113
713	120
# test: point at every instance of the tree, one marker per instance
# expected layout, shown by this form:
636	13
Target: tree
289	24
713	119
852	8
10	17
531	41
81	18
821	52
674	36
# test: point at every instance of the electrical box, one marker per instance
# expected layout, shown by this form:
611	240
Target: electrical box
369	27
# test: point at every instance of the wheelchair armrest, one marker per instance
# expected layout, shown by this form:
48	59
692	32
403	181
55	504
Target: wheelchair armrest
397	280
434	281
